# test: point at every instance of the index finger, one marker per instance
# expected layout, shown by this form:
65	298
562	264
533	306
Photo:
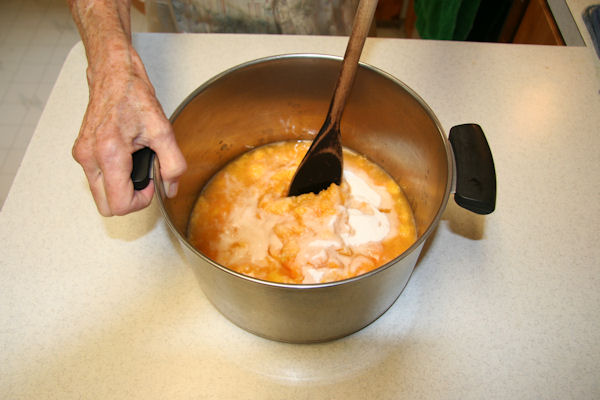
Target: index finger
116	164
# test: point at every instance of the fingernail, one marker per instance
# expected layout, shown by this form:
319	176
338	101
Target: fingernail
170	188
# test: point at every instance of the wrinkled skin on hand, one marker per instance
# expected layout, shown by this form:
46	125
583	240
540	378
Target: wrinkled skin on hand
123	115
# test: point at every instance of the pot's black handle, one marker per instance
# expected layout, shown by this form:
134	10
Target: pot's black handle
475	172
142	167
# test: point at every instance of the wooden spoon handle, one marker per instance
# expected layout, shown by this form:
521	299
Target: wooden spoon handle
360	29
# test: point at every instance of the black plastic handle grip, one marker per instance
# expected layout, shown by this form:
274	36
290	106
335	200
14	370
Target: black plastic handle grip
475	172
142	168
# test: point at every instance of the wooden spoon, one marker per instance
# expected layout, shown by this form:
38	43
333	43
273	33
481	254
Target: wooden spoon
322	164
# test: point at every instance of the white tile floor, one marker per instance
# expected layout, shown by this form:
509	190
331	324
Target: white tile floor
35	38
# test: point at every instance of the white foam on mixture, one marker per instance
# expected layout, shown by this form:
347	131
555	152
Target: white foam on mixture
325	243
372	226
250	231
361	190
313	275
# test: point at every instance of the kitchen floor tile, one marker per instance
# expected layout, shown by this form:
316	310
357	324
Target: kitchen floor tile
6	19
69	37
8	133
28	73
60	54
51	72
3	154
38	54
29	19
24	136
11	53
5	184
12	113
12	161
34	112
3	86
19	35
46	36
21	93
45	87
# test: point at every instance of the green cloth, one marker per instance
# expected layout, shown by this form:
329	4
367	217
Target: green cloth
445	19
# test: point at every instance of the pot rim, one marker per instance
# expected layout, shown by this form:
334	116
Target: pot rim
302	286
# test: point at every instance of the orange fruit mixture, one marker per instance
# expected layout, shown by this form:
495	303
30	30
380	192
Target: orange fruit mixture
244	220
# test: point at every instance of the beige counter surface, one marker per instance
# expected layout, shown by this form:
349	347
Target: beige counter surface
504	306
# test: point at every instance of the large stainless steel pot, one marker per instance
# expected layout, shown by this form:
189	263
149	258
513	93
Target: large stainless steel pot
286	97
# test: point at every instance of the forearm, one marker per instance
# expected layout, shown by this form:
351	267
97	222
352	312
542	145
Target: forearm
105	29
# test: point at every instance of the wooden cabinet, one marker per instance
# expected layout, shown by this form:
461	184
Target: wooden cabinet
139	5
538	26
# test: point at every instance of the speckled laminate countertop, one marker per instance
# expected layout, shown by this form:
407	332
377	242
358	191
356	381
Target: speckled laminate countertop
502	306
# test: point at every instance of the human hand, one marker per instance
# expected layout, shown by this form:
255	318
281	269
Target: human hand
123	116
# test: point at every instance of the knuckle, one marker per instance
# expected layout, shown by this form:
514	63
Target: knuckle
106	145
77	153
162	130
178	169
109	150
81	151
